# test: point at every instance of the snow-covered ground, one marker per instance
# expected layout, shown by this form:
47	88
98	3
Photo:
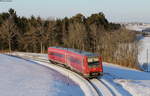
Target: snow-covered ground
144	45
25	78
144	52
85	86
128	81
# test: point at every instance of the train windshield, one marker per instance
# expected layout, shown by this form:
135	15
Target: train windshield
93	62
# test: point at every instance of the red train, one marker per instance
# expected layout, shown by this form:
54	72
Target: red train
87	64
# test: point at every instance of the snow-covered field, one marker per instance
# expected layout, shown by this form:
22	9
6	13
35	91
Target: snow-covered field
133	82
25	78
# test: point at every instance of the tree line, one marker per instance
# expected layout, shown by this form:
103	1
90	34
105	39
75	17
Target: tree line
94	33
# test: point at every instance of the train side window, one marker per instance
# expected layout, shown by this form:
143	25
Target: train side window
56	54
74	60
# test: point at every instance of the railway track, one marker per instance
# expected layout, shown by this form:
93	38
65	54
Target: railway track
98	86
102	88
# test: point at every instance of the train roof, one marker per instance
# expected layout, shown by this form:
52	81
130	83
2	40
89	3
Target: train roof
84	53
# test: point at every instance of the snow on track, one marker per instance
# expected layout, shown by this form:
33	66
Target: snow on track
104	91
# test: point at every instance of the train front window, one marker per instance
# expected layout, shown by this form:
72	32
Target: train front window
93	62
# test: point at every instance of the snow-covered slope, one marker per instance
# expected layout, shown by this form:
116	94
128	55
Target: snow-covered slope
24	78
135	83
144	51
144	45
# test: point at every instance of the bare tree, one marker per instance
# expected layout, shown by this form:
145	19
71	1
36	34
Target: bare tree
77	36
8	30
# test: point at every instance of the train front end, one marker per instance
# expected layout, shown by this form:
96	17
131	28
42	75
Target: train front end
94	66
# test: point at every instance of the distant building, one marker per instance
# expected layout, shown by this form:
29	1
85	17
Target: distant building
146	30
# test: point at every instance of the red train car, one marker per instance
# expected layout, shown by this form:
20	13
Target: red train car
86	63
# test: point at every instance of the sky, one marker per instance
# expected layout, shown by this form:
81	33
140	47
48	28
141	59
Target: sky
114	10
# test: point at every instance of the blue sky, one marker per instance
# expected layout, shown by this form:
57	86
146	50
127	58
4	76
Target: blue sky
114	10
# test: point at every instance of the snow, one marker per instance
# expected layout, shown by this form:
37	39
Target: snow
144	45
137	27
85	86
138	88
25	78
144	52
127	81
104	91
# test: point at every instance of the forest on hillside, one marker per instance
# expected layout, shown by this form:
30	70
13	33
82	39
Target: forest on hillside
94	33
